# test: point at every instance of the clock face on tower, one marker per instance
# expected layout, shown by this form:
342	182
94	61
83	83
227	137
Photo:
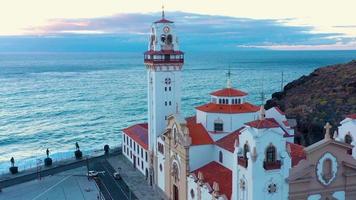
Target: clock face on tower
166	29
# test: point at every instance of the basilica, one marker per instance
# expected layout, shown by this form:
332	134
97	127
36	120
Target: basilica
230	149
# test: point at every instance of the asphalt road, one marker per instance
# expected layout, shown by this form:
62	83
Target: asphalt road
111	188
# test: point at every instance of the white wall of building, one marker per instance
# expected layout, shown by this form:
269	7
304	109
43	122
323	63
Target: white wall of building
228	157
256	176
348	126
200	155
160	167
231	122
135	151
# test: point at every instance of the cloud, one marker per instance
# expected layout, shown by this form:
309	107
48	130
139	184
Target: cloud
196	32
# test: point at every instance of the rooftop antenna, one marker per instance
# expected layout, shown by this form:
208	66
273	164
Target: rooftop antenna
282	81
262	94
228	74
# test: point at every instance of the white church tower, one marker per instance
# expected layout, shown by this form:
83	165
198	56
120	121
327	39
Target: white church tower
163	62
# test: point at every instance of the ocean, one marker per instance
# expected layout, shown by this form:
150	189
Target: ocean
52	100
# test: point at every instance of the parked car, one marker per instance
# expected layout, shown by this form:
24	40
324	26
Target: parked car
93	173
117	175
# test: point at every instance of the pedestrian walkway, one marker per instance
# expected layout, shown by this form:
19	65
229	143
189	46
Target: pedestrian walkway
134	179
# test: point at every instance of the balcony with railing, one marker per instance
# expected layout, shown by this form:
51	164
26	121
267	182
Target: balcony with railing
272	165
158	57
242	161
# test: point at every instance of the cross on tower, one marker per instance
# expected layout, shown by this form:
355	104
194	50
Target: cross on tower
327	128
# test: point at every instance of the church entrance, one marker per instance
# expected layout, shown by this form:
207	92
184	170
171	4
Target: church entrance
175	193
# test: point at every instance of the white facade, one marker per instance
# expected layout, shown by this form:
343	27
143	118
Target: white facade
347	129
164	78
256	178
136	154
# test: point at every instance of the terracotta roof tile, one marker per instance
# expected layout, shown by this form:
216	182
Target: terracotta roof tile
227	108
228	142
297	153
139	133
198	132
229	92
266	123
214	172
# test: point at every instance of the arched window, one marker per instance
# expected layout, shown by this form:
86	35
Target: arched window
220	157
348	139
271	154
223	101
246	149
220	101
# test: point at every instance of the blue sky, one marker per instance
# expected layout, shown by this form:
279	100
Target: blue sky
197	32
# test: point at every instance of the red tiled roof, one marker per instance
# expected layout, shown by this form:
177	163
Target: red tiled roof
285	122
163	20
214	172
139	133
297	153
228	108
228	142
229	92
266	123
198	132
351	116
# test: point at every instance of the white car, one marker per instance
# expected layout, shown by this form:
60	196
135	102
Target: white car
117	175
93	173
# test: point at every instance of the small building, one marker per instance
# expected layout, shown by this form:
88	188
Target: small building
347	132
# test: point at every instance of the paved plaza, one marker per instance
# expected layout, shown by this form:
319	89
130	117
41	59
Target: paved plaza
67	185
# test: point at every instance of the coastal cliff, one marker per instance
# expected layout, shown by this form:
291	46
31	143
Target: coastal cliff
325	95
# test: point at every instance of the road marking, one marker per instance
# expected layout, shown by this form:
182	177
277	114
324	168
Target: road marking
51	187
116	182
102	182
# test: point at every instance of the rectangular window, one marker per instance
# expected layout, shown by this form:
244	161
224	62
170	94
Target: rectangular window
218	127
130	143
165	88
165	103
146	156
142	165
142	153
170	88
170	103
134	144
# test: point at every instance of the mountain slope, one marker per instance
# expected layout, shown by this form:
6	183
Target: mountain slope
327	94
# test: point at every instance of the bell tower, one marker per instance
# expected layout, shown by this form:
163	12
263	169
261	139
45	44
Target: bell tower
164	63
